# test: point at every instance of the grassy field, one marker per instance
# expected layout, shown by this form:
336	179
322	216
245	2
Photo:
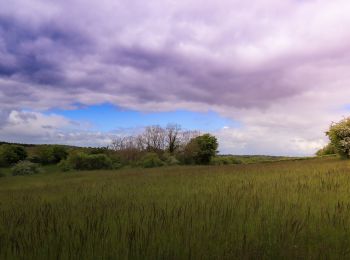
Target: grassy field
288	209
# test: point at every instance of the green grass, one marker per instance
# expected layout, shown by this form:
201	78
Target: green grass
279	210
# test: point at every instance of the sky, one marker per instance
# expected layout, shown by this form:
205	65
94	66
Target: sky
265	77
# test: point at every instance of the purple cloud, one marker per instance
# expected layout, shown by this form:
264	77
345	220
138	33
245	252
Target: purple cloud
272	65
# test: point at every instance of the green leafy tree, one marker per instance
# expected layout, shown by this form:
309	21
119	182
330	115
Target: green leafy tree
201	149
339	135
51	154
11	154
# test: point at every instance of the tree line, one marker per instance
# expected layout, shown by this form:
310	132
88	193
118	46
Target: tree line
155	146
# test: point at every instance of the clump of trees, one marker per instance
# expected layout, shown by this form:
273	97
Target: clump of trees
155	146
172	144
11	154
83	161
50	154
339	136
201	149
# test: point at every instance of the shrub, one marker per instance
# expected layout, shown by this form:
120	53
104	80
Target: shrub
25	168
65	166
82	161
329	149
201	149
225	160
11	154
34	159
169	159
98	150
339	135
52	154
150	160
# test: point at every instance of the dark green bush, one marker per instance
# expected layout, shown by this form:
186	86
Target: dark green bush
82	161
200	150
150	160
52	154
11	154
25	168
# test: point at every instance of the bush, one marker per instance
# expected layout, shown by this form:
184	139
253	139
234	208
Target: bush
169	159
329	149
11	154
225	160
52	154
200	150
64	165
82	161
339	135
151	160
25	168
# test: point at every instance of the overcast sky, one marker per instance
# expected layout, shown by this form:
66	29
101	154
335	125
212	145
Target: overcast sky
266	77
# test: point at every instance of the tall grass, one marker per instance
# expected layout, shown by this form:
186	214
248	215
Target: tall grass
291	210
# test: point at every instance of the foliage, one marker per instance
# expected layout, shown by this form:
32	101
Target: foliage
201	149
150	160
82	161
329	149
170	159
98	150
52	154
25	168
65	165
11	154
339	135
225	160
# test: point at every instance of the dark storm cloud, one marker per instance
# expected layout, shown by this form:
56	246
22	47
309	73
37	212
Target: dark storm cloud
58	53
272	65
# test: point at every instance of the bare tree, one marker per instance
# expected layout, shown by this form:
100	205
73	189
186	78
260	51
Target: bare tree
154	138
172	137
186	137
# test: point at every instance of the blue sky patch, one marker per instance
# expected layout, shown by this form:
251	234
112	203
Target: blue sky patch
106	117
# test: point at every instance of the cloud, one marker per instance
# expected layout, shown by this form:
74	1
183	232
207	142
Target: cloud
278	67
38	128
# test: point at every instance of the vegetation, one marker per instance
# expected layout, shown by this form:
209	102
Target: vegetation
339	135
151	160
25	168
82	161
155	147
51	154
11	154
289	209
201	149
329	149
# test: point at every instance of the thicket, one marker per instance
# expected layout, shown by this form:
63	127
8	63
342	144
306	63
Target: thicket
11	154
25	168
155	147
339	136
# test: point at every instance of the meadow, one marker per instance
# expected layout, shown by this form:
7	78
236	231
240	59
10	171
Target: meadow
274	210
